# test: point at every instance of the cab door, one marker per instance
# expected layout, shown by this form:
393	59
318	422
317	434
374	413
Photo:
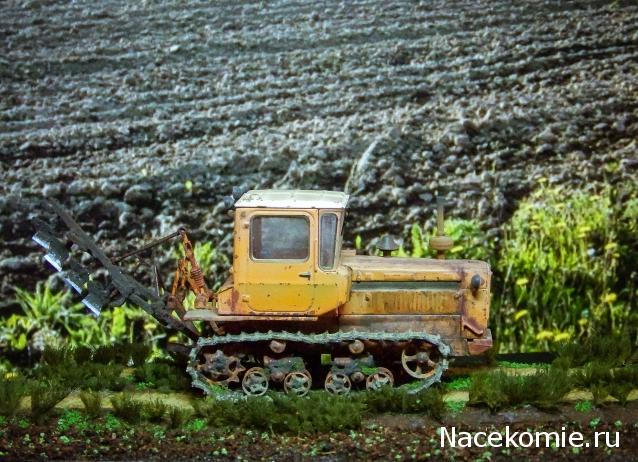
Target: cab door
280	269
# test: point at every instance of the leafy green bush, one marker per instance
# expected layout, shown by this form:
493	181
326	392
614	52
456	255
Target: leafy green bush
470	241
11	392
127	408
565	268
49	318
92	401
43	314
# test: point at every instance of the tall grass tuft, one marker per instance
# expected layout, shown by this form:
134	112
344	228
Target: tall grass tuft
499	389
127	408
45	395
154	410
177	417
92	401
11	392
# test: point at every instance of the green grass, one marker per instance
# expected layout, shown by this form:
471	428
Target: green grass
317	412
455	407
499	389
162	376
398	400
584	406
458	384
72	419
515	365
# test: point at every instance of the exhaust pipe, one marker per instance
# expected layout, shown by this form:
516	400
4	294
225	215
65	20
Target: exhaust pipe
441	243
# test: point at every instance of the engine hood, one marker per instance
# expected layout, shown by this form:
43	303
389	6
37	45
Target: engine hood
371	268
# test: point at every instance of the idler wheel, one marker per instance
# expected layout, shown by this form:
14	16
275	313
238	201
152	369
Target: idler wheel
337	383
381	378
418	365
255	381
298	383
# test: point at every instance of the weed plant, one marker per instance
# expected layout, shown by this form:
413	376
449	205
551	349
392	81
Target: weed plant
154	410
11	392
620	391
139	353
72	419
127	408
45	395
92	401
177	417
211	261
459	383
94	376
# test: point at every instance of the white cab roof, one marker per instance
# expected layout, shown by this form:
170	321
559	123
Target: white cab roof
293	199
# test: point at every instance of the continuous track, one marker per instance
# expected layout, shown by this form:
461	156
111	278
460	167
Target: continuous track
200	381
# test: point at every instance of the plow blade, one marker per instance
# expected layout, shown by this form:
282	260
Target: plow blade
102	284
76	277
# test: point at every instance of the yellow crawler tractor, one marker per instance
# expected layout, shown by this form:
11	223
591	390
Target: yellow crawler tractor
297	308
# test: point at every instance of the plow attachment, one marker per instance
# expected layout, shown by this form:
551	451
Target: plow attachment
101	283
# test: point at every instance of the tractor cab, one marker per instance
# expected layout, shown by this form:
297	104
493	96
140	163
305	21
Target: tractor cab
287	249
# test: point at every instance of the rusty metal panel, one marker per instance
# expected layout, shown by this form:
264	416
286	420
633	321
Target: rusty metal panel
475	311
447	326
402	302
480	345
370	268
405	285
458	346
210	315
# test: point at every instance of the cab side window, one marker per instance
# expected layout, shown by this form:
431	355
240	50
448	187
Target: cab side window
328	240
280	238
